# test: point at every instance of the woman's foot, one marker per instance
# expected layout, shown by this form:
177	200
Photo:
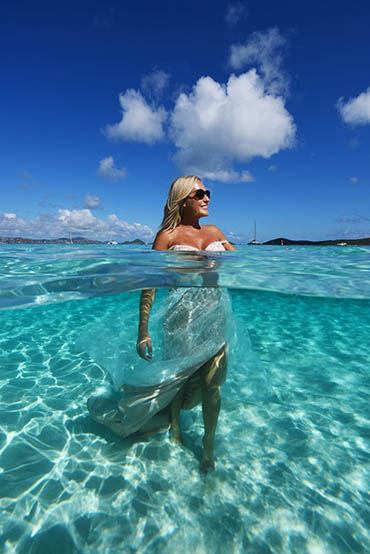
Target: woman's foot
207	466
207	463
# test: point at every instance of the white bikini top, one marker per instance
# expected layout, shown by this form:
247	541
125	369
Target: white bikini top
215	246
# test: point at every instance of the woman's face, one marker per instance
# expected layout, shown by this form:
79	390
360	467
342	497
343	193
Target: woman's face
196	207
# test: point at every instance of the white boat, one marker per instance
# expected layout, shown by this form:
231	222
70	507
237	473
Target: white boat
254	240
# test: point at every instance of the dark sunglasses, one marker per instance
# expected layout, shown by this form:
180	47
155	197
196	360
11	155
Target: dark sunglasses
200	194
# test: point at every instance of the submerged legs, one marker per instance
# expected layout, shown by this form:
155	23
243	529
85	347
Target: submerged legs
212	375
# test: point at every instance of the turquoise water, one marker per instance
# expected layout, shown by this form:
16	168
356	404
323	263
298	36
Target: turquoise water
293	440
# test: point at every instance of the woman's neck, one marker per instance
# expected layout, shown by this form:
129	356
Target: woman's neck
190	222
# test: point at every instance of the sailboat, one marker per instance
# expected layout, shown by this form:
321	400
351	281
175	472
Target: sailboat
254	241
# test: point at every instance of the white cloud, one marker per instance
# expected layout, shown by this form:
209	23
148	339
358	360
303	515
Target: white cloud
354	179
92	202
235	12
108	171
216	124
272	167
75	223
77	219
139	121
155	83
229	176
356	110
119	228
10	223
264	50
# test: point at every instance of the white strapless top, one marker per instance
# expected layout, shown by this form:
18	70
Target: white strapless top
215	246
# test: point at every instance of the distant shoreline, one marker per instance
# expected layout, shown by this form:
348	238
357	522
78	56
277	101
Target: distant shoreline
336	242
63	240
281	241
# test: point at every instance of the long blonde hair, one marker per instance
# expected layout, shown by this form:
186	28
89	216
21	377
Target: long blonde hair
179	190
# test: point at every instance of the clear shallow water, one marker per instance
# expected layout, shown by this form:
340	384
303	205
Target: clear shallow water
42	274
293	440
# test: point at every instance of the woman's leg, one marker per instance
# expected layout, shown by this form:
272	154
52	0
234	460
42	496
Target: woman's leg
175	407
212	375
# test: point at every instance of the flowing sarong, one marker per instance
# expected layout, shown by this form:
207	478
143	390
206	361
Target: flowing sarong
191	327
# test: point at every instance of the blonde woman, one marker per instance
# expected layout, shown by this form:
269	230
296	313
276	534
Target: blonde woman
191	366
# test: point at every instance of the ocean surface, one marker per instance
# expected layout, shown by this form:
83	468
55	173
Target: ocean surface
293	440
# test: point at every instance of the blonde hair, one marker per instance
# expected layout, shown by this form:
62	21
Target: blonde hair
179	190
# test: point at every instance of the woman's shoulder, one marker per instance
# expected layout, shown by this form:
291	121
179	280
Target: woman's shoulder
214	232
216	235
163	239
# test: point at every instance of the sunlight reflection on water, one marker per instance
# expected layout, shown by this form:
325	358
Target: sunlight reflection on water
292	448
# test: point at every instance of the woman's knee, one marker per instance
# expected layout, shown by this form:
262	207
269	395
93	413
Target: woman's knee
211	390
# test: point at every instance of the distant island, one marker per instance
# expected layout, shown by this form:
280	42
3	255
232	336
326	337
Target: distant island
279	241
64	240
336	242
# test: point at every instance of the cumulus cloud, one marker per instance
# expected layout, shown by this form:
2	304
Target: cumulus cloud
155	83
216	124
10	224
73	222
109	171
357	110
140	121
92	202
263	50
235	12
230	176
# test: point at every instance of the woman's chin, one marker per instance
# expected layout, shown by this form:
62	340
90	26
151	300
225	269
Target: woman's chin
204	213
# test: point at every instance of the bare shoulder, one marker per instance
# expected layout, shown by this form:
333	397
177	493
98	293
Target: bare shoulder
162	240
216	234
211	227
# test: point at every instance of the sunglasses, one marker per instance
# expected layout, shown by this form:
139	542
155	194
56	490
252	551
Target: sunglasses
200	194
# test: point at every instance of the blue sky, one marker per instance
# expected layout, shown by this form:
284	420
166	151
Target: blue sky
103	104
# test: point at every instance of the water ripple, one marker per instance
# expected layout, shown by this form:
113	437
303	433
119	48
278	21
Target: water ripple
36	275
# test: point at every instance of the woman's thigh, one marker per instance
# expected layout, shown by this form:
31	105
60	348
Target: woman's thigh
213	372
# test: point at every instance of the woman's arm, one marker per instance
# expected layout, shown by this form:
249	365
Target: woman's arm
144	341
228	245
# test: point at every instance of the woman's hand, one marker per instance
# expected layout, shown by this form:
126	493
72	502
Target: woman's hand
144	347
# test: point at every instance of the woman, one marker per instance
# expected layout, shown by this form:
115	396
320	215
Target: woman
192	364
187	202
